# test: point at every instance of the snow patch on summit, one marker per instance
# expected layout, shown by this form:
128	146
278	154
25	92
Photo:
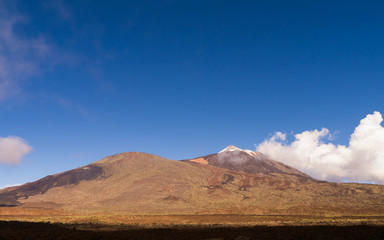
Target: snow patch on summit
232	148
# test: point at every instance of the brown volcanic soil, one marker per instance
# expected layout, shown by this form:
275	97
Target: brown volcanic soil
139	183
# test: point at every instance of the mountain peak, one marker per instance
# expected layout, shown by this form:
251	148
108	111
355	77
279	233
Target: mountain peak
244	160
231	148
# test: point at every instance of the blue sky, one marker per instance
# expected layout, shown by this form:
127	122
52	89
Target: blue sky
81	80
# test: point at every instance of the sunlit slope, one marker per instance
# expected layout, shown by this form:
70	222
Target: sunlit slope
148	184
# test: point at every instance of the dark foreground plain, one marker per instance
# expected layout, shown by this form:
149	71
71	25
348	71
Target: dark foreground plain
30	230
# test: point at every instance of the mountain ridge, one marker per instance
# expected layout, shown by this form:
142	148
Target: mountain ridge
225	182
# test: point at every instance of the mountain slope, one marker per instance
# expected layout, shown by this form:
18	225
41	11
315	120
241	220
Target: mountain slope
145	183
236	159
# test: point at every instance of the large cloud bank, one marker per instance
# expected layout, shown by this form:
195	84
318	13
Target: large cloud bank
13	149
361	161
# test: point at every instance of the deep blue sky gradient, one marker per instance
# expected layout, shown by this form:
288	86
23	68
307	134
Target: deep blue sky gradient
182	79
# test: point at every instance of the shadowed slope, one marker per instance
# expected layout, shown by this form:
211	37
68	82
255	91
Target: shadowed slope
87	173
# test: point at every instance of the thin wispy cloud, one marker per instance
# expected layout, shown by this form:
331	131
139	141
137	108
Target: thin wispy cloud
23	59
361	161
71	106
60	8
20	57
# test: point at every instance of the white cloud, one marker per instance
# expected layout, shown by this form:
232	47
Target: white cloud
361	161
13	149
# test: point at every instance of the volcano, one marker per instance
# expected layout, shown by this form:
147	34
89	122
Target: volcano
236	159
230	181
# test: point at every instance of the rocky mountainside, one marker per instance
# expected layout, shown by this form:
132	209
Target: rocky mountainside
236	159
231	181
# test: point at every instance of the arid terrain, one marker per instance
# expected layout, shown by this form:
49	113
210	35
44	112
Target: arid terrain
232	189
27	230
